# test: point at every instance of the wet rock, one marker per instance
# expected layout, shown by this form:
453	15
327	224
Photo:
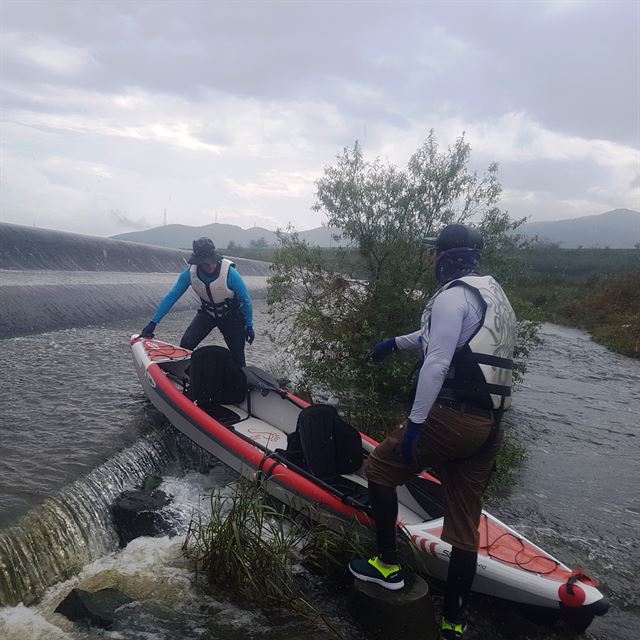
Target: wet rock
151	483
139	513
394	615
96	609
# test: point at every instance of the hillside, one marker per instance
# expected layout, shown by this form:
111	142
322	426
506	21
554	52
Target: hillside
617	229
180	236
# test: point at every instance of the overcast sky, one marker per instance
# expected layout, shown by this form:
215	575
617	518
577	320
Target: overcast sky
114	111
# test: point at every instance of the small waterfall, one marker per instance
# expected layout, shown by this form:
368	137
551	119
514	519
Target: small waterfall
59	537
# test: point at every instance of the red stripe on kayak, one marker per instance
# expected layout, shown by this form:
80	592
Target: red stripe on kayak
298	401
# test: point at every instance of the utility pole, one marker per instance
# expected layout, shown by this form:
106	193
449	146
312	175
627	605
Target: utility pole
164	219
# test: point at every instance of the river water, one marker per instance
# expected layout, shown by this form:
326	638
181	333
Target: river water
77	430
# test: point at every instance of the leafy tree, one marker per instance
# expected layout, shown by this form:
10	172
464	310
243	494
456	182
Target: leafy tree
327	314
260	243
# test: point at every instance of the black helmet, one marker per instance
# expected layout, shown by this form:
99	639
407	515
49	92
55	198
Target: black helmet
456	236
204	251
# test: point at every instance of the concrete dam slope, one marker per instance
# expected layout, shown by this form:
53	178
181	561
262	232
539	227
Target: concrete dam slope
55	280
29	248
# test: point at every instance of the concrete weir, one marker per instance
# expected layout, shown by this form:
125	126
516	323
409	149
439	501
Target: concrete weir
55	280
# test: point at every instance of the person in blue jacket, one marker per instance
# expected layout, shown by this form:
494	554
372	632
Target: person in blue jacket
226	303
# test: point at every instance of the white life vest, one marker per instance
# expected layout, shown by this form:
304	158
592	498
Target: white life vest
481	371
217	299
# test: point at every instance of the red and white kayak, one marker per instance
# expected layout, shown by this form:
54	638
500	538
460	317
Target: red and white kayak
250	436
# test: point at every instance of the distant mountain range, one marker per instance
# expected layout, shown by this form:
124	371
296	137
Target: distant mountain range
617	229
180	236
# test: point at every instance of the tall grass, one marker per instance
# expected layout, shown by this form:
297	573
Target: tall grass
246	549
250	550
250	546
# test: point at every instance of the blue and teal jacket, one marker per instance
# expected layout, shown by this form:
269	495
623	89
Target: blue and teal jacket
234	282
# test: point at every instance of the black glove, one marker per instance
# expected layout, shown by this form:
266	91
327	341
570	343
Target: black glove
251	335
147	332
383	349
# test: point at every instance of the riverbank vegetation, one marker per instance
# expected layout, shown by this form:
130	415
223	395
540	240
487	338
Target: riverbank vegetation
246	550
256	552
591	289
597	290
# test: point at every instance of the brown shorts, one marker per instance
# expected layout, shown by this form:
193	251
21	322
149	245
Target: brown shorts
448	438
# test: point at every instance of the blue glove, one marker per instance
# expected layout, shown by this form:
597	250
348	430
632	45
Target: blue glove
251	335
410	442
383	349
147	332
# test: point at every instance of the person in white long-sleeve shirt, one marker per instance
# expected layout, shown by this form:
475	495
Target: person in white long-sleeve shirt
456	315
466	338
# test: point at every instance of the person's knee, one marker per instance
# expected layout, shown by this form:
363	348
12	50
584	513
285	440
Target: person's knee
384	476
373	471
185	343
189	340
463	557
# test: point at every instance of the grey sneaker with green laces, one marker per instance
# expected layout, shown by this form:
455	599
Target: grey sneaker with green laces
452	631
374	570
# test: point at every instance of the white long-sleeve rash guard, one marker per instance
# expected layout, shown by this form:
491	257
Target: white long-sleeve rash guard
455	316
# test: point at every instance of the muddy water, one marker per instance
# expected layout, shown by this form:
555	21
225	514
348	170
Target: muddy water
71	404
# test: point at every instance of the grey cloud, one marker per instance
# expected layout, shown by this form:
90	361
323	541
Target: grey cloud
377	63
562	178
575	70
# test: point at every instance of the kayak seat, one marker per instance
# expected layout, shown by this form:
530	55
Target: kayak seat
324	444
215	379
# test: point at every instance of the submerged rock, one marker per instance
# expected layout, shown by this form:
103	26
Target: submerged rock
151	483
96	609
139	513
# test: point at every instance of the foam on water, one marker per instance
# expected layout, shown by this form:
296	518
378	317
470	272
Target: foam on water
154	572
